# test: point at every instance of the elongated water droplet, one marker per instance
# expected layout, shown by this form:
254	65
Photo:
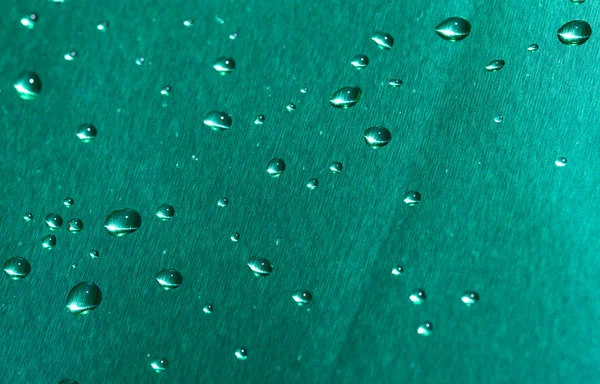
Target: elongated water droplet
495	65
86	132
575	32
28	85
383	40
360	61
224	65
577	1
218	121
395	83
345	97
260	266
533	47
17	268
470	298
122	222
377	137
276	167
302	297
169	279
454	29
83	298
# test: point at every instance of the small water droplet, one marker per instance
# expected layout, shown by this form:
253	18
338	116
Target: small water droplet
75	225
29	20
575	32
189	22
312	183
169	279
561	162
533	47
68	202
291	107
398	270
165	212
83	298
276	167
302	297
70	56
94	254
54	221
360	61
28	217
208	309
259	120
498	119
345	97
28	85
233	36
336	167
412	198
241	353
160	365
577	1
454	29
418	297
260	266
235	237
17	268
383	40
86	132
103	26
470	298
222	202
48	242
122	222
304	90
425	329
377	137
395	83
166	91
224	65
218	121
140	60
495	65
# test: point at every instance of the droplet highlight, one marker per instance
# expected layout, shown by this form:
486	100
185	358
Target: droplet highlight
377	137
17	268
84	298
575	32
383	40
165	212
260	267
495	65
122	222
218	121
169	279
86	132
454	29
28	85
345	97
224	65
276	167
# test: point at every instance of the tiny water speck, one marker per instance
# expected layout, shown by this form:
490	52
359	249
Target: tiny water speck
412	198
454	29
495	65
312	183
345	97
169	279
241	353
377	137
398	270
561	162
360	61
383	40
83	298
48	242
260	266
75	225
276	167
160	365
224	65
68	202
28	85
425	329
17	268
86	132
302	297
574	32
418	297
122	222
218	121
54	221
470	298
165	212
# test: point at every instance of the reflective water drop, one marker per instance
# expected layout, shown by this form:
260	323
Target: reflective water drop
241	353
377	137
70	56
260	266
302	297
360	61
561	162
169	279
498	119
75	225
383	40
224	65
83	298
208	309
103	26
412	198
304	90
122	222
218	121
577	1
68	202
140	60
260	119
395	83
235	237
276	167
291	107
312	183
17	268
67	381
160	365
165	212
454	29
166	91
425	329
189	22
48	242
574	32
495	65
533	47
336	167
398	270
29	85
418	297
86	132
222	202
28	217
29	20
54	221
470	298
94	254
345	97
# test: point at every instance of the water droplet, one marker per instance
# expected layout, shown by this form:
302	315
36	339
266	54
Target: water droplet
312	183
86	132
160	365
383	40
302	297
561	162
68	202
336	167
169	279
165	212
412	198
189	22
454	29
94	254
29	20
425	329
166	91
54	221
276	167
241	353
222	202
260	119
291	107
495	65
574	32
75	225
260	266
48	242
67	381
360	61
70	56
235	237
218	121
103	26
83	298
28	217
418	297
577	1
395	83
345	97
377	137
17	268
398	270
29	85
233	36
74	265
304	90
533	47
498	119
470	298
208	309
140	60
122	222
224	65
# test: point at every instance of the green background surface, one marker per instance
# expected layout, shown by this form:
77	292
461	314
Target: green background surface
497	215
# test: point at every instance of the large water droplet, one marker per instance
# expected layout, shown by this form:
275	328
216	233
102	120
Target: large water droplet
302	297
383	40
470	298
495	65
48	242
574	32
360	61
54	221
83	298
345	97
160	365
17	268
122	222
165	212
29	85
87	132
276	167
208	309
218	121
224	65
260	266
377	137
454	29
169	279
75	225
